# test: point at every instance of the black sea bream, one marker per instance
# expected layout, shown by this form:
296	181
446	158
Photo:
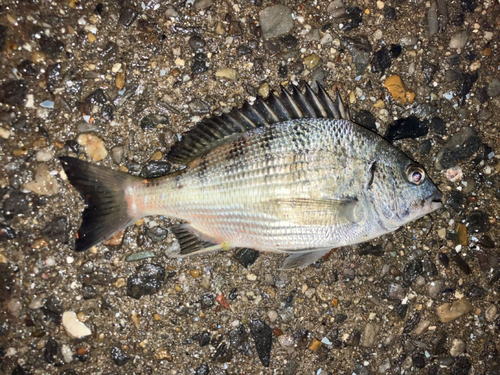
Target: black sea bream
288	174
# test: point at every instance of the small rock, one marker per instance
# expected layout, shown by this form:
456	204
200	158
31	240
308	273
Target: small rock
246	257
67	353
448	312
202	4
57	230
51	349
360	49
287	342
390	13
435	287
127	16
44	183
152	121
462	145
263	337
438	125
459	40
118	356
203	369
381	60
275	21
410	127
94	146
478	222
155	169
421	327
354	18
13	92
457	348
493	88
398	91
14	306
89	292
370	334
461	366
336	9
491	313
50	46
73	326
429	70
418	360
147	280
227	73
196	43
6	232
311	61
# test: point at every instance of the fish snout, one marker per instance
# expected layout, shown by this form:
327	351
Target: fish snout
435	199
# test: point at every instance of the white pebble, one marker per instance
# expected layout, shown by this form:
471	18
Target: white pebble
4	133
15	307
66	353
43	156
36	303
251	277
73	326
273	315
50	262
116	68
10	352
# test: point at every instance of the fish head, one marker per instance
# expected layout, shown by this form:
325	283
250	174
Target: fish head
401	189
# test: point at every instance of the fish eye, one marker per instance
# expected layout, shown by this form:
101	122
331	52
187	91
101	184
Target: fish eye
415	174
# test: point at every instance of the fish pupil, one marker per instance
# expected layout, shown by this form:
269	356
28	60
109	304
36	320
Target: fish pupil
416	177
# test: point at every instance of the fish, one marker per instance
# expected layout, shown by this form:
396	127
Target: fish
287	174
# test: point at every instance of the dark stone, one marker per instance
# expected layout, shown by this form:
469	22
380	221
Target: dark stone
429	268
239	340
71	145
27	68
89	292
99	9
395	50
401	310
50	352
418	360
53	309
203	369
118	356
19	370
340	318
203	338
438	344
429	71
365	119
475	291
3	36
198	107
301	338
468	144
96	97
438	125
147	280
206	300
13	92
468	6
6	233
243	50
199	66
425	147
152	121
127	16
478	222
157	234
233	294
486	242
109	51
354	18
466	83
297	67
155	168
234	29
223	354
271	47
282	71
460	262
412	270
196	43
291	368
6	282
456	200
246	257
368	249
52	76
443	258
410	127
390	13
359	369
461	366
263	337
458	19
360	49
381	60
50	46
354	338
411	323
289	41
58	230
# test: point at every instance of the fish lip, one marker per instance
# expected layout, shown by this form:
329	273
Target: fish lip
435	200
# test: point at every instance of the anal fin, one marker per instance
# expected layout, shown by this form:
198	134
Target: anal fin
190	243
303	259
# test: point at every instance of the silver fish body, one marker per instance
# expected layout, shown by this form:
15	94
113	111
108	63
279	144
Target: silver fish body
278	176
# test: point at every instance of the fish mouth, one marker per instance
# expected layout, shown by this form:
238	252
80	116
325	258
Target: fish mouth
435	200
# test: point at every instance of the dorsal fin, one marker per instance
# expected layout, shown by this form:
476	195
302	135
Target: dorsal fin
288	105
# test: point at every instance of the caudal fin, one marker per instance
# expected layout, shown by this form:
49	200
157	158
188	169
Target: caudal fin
103	190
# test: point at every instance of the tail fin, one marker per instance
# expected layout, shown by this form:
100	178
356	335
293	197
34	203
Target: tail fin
103	190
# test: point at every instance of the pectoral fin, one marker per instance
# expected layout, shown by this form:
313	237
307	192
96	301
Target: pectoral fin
311	211
301	260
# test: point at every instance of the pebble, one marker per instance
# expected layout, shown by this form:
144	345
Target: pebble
435	288
147	280
287	342
13	92
127	16
493	87
478	222
73	326
411	127
203	369
94	146
273	315
4	133
50	46
462	145
67	353
448	312
370	335
197	43
421	327
315	344
398	91
381	60
354	18
311	61
457	347
360	50
491	313
263	337
44	183
155	169
336	9
202	4
227	73
247	257
275	21
118	356
459	40
264	90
